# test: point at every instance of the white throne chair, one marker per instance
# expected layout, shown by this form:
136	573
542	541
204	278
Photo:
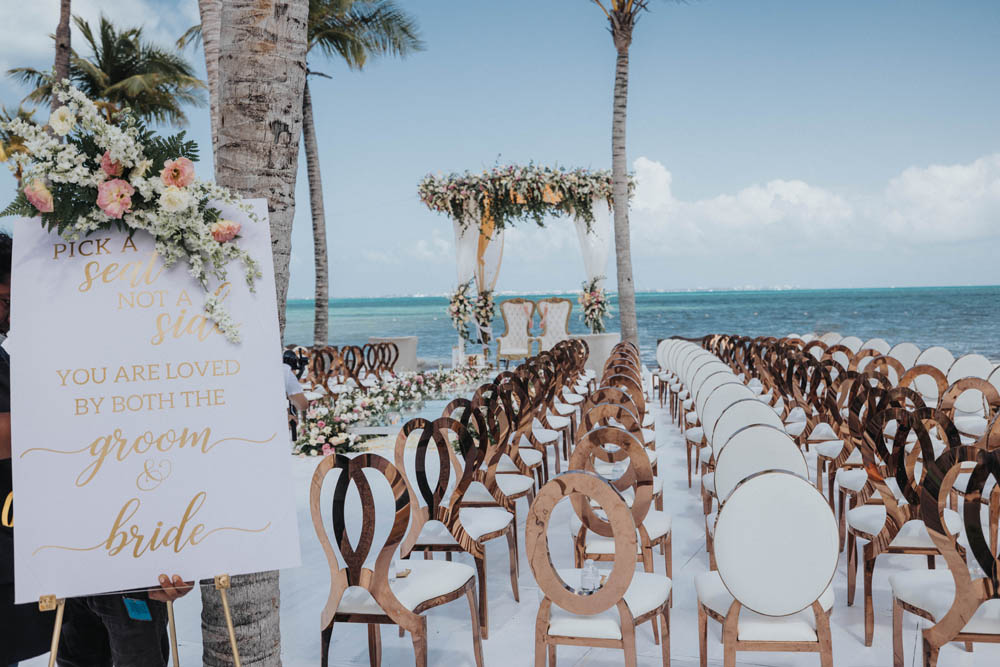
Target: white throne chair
515	343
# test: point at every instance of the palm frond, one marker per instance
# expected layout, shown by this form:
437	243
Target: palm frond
356	31
191	36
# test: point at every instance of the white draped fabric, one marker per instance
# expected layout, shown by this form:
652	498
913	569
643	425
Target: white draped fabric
466	245
488	262
596	243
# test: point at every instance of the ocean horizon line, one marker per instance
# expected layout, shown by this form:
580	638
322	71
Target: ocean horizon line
695	290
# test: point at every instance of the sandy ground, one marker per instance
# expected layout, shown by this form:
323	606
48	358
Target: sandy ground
304	591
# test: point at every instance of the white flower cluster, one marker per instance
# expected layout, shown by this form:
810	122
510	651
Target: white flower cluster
179	218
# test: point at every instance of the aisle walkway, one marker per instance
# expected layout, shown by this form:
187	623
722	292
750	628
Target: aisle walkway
511	641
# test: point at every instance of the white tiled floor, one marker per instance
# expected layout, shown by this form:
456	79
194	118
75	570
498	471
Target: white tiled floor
511	639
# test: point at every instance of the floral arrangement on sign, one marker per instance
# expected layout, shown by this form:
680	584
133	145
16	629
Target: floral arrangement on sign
595	303
485	311
461	309
325	428
517	193
85	174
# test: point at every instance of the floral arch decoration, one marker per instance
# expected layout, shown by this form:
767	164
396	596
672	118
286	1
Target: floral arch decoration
482	205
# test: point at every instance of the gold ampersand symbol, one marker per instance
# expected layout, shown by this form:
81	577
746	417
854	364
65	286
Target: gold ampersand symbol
153	474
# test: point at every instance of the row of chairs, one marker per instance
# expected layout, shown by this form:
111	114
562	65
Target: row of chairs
773	541
331	370
882	429
455	483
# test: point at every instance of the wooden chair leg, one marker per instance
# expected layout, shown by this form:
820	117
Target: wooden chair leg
484	616
477	637
869	604
540	650
628	644
852	567
512	553
552	655
665	633
897	634
324	646
374	645
420	644
668	562
702	636
930	654
689	462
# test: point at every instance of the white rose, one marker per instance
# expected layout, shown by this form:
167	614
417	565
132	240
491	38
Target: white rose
140	169
175	199
62	121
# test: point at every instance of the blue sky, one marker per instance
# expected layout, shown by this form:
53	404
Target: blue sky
776	142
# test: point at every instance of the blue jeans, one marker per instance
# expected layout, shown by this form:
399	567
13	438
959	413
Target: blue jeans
98	632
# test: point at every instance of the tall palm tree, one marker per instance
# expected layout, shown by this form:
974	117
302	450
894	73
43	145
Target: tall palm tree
262	74
63	48
622	16
208	33
123	69
354	31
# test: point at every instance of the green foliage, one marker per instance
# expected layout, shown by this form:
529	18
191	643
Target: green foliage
124	70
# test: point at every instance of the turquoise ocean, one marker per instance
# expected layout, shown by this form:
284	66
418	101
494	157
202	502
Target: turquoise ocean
963	319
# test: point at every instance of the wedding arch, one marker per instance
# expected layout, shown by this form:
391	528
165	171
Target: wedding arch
481	206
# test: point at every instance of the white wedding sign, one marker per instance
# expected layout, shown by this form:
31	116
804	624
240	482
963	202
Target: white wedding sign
143	441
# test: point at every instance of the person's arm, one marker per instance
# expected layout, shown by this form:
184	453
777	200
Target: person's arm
299	401
170	590
5	435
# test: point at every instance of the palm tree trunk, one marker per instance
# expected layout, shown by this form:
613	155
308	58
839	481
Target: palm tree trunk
321	318
262	70
63	49
211	28
619	178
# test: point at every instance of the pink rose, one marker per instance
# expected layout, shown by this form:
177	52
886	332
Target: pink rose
179	172
327	450
115	197
39	195
111	168
225	230
321	424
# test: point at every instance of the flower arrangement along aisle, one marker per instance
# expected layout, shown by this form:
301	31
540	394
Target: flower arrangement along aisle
119	175
461	309
485	311
596	306
325	428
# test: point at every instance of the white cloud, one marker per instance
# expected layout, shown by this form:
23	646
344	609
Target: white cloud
26	39
920	207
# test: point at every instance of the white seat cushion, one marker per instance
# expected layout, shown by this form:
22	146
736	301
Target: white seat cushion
869	519
646	592
648	436
823	431
477	521
563	408
934	592
691	418
656	523
511	485
427	580
710	522
708	481
545	436
684	393
795	428
648	420
800	627
571	398
972	425
851	479
557	421
706	455
695	434
830	449
688	403
798	414
529	455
